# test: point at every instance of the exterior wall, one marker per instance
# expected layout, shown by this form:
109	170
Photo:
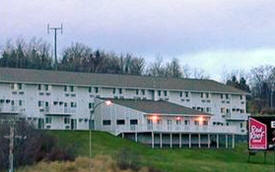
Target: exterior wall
30	96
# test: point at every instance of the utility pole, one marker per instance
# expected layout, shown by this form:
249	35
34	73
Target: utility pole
55	29
11	145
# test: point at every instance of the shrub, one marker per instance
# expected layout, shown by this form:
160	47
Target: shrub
34	146
127	159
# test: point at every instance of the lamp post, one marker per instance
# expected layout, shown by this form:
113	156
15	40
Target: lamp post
108	103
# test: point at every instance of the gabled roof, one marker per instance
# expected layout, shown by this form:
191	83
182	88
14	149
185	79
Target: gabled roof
113	80
157	107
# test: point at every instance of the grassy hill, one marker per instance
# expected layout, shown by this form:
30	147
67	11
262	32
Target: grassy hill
168	160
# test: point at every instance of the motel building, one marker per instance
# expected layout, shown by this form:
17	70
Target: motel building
158	111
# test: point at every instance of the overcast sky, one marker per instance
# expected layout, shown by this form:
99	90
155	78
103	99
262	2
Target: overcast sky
215	35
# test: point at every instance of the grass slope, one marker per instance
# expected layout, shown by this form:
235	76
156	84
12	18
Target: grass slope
168	160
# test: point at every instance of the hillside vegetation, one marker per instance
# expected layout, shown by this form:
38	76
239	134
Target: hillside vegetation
167	160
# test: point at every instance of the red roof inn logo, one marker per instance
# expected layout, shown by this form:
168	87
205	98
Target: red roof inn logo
257	135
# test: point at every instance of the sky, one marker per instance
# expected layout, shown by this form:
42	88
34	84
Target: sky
215	35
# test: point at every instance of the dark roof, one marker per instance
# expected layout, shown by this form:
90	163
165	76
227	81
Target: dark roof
158	107
112	80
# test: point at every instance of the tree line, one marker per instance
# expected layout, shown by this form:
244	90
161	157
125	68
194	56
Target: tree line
36	54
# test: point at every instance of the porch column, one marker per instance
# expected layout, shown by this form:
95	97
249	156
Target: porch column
226	141
189	140
153	140
199	140
160	140
233	141
217	140
171	140
136	138
208	140
180	141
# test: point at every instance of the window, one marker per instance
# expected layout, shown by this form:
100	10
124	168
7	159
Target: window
208	109
196	122
159	93
73	104
90	105
201	95
65	88
114	91
205	123
120	122
143	92
90	89
133	122
20	102
66	120
55	103
19	86
186	94
207	95
46	104
149	121
39	103
186	122
46	87
222	110
241	125
13	86
226	96
12	102
72	88
120	91
106	122
48	120
165	93
221	96
241	97
39	86
227	111
159	121
137	91
178	122
181	94
65	104
241	111
96	89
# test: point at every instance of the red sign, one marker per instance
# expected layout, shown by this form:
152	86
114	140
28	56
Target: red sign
257	135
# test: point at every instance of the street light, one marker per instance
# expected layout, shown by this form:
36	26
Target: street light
108	103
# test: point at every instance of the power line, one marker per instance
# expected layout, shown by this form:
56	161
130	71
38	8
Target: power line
55	29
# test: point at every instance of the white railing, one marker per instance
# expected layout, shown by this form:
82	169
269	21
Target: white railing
236	116
59	110
10	109
180	128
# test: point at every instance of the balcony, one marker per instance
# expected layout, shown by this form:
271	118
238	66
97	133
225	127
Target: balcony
10	110
203	129
236	116
59	111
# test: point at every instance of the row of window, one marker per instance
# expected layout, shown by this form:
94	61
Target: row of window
202	109
46	87
178	122
56	103
120	122
223	110
11	102
67	120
